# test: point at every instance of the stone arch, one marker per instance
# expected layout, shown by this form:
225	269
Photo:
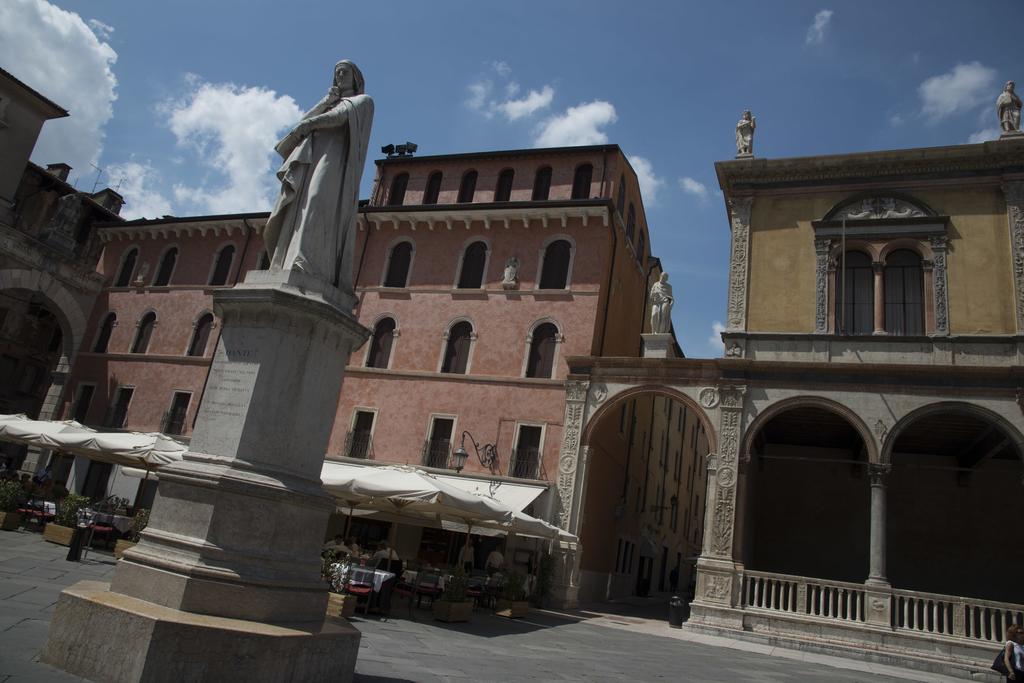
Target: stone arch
973	409
62	303
779	407
612	402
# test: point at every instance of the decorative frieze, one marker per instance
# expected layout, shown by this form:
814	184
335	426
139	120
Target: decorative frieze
939	290
822	248
1014	193
739	267
568	459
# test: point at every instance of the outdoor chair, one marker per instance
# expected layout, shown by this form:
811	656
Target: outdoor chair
427	587
362	593
492	590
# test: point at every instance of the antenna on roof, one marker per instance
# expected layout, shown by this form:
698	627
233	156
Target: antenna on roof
99	172
117	187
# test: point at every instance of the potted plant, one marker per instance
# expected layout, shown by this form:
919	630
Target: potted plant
61	529
10	499
545	578
339	603
139	522
513	603
453	605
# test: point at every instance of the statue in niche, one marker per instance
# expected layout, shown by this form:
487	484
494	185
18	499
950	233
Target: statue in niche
661	305
312	227
745	135
1008	108
140	278
510	279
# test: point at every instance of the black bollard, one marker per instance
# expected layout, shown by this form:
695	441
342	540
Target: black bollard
676	612
77	538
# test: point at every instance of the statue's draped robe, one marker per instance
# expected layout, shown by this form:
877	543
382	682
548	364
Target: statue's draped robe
312	227
661	307
1008	107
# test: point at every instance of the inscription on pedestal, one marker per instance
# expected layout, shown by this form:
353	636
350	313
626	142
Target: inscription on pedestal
225	405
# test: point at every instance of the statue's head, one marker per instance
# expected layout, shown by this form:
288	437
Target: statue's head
1009	86
664	277
746	115
347	76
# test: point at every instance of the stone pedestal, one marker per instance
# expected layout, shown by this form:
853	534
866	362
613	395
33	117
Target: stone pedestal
236	527
657	345
1012	135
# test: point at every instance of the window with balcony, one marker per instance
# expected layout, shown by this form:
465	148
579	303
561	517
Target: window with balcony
399	262
144	333
359	442
503	190
433	189
379	354
526	457
542	184
474	262
166	269
127	269
467	188
438	445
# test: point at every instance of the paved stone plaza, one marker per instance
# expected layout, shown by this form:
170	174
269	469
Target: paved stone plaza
603	643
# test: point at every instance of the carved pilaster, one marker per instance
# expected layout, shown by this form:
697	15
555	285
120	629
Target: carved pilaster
568	459
739	267
939	291
1014	193
822	247
722	467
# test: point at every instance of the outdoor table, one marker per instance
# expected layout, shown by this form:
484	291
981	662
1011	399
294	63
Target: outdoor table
119	522
372	577
409	577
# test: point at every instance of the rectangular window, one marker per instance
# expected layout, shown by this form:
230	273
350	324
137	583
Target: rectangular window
526	456
174	420
96	478
439	443
81	410
360	439
118	413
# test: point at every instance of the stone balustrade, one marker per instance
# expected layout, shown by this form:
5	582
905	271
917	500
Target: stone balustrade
941	616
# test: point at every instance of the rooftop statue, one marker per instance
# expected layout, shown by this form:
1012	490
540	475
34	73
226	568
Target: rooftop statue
312	227
1008	108
745	135
661	305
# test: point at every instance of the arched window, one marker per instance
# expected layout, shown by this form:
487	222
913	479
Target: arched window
542	184
467	188
631	222
555	269
641	245
380	345
621	204
855	295
163	273
124	276
456	349
581	181
106	329
223	266
433	190
399	261
201	335
144	333
904	293
503	190
398	185
474	260
264	260
541	359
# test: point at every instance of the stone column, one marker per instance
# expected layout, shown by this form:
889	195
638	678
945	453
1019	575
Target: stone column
1014	193
739	266
571	468
233	543
879	475
48	411
879	303
939	293
822	248
716	568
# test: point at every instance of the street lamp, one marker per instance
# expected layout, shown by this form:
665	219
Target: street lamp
488	458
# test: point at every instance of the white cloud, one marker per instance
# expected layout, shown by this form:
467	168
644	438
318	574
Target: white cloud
233	130
579	125
816	32
533	102
478	94
512	89
715	340
985	135
56	53
649	182
502	68
140	186
694	187
896	120
102	31
963	88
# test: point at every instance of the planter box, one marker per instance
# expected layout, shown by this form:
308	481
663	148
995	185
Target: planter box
452	611
341	605
9	521
121	546
515	610
61	535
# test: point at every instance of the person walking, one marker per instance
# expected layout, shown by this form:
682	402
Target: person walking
1013	653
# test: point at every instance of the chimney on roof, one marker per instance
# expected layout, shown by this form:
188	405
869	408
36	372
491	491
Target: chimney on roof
61	171
109	200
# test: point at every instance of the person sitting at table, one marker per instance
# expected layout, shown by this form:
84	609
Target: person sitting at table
495	561
337	545
386	552
353	547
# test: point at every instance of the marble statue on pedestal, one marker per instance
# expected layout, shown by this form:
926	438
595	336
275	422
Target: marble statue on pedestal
312	227
661	305
510	279
1008	108
745	135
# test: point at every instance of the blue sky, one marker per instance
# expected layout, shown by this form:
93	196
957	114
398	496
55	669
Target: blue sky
180	102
